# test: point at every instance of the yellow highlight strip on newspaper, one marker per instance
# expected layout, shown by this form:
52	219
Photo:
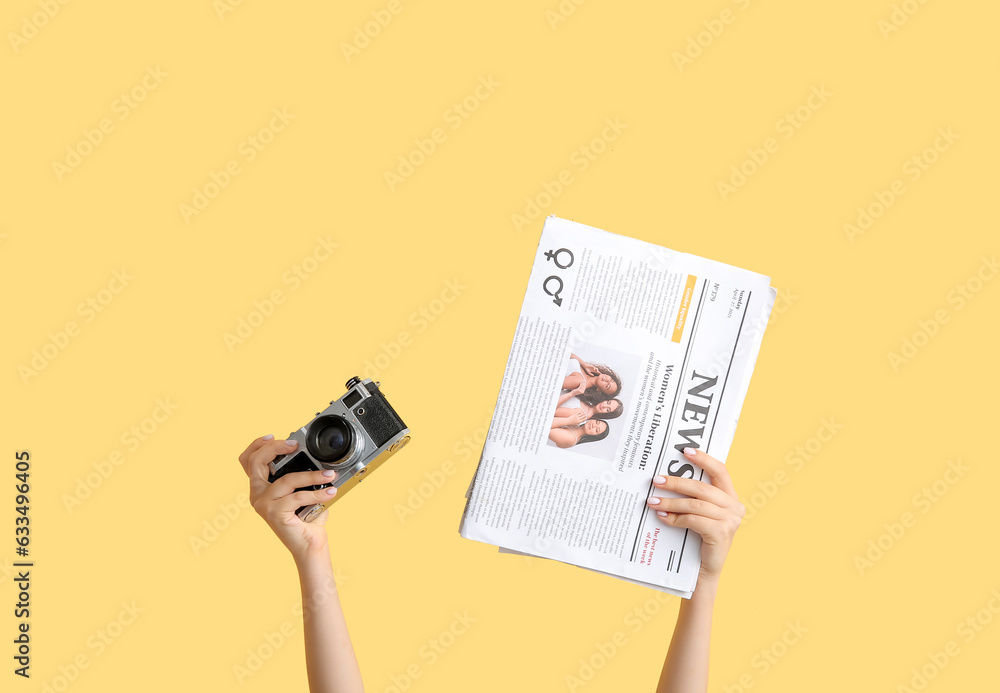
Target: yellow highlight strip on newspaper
683	312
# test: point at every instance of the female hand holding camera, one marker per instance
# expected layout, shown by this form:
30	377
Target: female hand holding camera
330	661
277	502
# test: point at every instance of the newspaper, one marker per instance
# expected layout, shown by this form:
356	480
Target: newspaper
624	354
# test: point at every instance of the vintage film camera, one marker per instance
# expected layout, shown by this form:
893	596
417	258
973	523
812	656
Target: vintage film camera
353	436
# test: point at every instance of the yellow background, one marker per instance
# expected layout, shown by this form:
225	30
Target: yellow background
825	356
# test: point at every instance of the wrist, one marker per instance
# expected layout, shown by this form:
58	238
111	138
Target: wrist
311	557
708	583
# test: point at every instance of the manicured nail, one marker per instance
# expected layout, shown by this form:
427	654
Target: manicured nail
328	472
291	443
659	479
269	436
661	513
653	501
690	452
330	491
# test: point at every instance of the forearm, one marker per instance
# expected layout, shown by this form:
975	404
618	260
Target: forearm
685	669
564	397
561	421
330	661
584	365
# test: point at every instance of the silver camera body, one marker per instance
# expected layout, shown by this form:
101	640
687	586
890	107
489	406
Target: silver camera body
353	436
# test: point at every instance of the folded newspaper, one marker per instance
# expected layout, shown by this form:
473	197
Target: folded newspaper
624	354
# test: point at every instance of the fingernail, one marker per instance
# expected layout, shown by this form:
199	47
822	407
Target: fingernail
661	513
330	491
653	501
659	479
268	436
291	443
328	472
690	452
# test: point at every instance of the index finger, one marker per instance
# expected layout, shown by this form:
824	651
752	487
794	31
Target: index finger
258	460
251	449
716	470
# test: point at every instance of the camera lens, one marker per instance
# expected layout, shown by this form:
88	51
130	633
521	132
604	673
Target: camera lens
329	438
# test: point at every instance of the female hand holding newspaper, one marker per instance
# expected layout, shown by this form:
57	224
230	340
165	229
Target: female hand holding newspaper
714	511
